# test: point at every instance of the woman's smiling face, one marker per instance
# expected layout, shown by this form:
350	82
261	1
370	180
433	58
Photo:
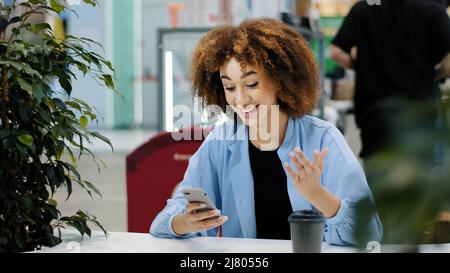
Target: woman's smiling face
250	93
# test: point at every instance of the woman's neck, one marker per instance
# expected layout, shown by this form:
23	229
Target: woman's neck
271	136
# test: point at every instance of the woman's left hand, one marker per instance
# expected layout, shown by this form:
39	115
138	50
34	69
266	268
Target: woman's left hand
306	176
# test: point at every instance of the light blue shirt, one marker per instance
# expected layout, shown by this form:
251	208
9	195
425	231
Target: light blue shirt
221	167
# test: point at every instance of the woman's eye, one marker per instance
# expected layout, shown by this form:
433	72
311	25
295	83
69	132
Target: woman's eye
253	85
230	89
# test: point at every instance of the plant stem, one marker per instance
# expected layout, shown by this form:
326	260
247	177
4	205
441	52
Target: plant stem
5	99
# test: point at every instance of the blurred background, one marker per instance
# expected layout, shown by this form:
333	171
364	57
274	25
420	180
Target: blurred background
149	43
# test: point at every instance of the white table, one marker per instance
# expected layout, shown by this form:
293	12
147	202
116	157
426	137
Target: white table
146	243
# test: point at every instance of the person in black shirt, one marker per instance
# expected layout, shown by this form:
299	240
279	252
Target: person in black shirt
270	180
397	46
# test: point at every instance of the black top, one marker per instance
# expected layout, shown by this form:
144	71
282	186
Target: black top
399	43
272	204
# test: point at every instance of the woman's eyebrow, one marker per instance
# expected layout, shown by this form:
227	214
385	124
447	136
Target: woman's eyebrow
246	74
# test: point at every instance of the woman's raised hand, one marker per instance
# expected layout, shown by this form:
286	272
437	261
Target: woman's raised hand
306	174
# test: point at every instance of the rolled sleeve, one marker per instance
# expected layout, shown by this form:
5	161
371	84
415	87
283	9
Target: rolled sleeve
340	215
345	178
201	173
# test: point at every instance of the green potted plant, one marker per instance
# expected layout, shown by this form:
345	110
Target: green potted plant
38	131
410	179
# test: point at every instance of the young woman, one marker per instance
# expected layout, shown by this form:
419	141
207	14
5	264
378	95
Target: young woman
265	71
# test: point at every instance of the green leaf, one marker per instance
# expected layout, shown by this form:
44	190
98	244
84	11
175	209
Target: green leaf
82	67
91	218
26	139
22	66
52	180
76	223
28	219
60	104
25	86
52	202
21	149
31	71
56	6
108	81
14	20
91	2
84	121
82	214
16	65
41	26
73	170
50	103
83	185
42	130
65	83
58	151
87	230
27	204
72	157
69	187
39	91
91	115
26	4
108	64
93	188
103	138
74	105
35	2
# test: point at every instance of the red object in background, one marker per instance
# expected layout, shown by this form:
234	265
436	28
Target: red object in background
153	171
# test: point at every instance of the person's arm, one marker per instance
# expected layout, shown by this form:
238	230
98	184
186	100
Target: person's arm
440	39
345	178
443	68
343	186
342	58
343	46
172	221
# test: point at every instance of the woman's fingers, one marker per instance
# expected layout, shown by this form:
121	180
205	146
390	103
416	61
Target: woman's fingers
305	167
213	223
193	206
290	171
305	162
201	221
298	165
322	157
199	216
315	166
302	156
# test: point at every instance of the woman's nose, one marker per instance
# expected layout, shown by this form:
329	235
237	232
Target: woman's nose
241	99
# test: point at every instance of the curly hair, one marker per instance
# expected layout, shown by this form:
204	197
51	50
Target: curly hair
270	46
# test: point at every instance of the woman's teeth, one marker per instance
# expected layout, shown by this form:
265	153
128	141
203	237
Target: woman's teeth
250	109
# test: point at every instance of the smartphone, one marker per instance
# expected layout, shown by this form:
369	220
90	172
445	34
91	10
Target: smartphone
198	195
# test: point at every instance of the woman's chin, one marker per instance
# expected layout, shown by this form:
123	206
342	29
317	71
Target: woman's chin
251	121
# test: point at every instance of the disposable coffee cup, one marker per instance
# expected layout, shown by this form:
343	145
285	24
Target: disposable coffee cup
306	231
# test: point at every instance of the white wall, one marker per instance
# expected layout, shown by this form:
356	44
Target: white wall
91	24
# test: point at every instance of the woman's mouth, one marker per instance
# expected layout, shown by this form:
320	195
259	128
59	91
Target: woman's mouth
250	111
